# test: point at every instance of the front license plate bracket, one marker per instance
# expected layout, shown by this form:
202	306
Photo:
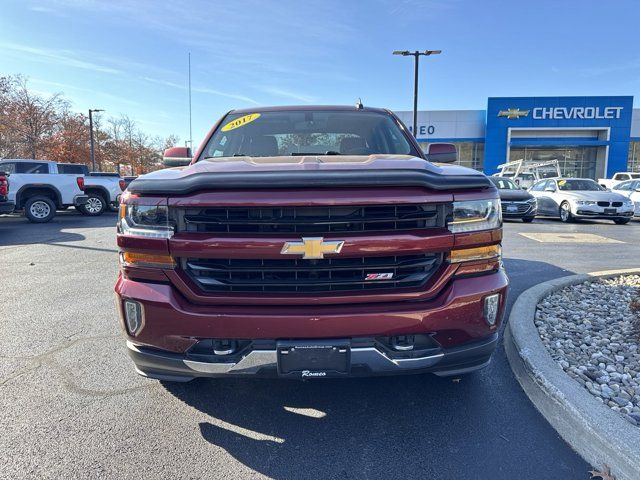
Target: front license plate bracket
314	358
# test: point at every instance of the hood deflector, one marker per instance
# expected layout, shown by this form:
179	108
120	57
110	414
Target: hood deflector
307	179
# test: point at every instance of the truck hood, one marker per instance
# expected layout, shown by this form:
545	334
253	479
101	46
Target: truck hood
514	195
308	171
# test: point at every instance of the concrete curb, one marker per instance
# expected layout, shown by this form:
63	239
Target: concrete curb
597	433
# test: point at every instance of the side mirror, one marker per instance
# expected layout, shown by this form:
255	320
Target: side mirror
176	157
638	189
442	152
550	189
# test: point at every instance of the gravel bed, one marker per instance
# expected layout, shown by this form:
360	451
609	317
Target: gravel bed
589	330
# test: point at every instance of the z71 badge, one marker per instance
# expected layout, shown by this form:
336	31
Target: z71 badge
379	276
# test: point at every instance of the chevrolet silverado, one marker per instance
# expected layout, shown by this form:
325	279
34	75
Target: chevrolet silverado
310	242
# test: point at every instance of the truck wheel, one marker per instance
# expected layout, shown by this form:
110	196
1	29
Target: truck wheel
622	221
565	212
39	209
95	205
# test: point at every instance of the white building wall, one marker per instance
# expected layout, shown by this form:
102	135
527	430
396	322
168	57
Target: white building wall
635	123
449	125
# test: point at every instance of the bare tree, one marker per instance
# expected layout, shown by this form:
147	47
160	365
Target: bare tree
36	117
33	125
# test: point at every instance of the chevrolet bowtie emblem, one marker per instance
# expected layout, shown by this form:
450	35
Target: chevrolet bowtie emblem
312	247
513	113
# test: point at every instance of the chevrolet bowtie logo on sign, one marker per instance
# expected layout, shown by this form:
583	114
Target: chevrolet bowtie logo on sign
513	113
312	247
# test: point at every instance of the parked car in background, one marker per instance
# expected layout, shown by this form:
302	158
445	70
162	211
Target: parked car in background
39	190
617	178
526	173
575	198
5	205
516	202
522	181
631	190
102	188
128	180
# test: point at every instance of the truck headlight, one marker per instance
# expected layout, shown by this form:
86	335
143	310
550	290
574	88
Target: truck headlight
474	215
151	221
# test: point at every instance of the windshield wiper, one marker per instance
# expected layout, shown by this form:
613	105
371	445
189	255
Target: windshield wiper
234	155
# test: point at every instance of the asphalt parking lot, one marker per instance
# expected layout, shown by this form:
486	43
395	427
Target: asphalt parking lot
71	405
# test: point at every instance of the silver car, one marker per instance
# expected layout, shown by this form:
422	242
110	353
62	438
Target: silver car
575	198
631	190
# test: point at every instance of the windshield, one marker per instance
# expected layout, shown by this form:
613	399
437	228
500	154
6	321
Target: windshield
308	132
579	184
504	183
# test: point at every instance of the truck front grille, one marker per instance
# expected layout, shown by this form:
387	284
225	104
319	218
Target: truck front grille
312	220
311	276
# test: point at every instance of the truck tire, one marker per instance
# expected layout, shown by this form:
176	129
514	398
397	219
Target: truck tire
96	205
39	209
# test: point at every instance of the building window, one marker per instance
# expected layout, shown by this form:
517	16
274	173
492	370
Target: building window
633	162
579	162
470	154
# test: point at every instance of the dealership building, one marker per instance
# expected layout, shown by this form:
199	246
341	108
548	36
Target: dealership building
591	137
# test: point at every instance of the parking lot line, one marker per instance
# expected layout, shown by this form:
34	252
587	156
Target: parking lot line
569	238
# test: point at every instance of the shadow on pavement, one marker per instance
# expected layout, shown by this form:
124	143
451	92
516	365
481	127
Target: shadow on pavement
17	230
419	426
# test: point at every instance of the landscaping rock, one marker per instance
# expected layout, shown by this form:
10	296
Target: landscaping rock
589	331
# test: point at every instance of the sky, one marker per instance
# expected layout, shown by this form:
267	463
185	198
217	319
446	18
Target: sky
131	56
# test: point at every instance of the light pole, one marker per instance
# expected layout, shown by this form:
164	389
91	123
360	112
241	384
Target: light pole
416	55
93	158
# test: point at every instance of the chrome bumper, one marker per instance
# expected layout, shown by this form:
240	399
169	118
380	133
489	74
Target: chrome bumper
364	361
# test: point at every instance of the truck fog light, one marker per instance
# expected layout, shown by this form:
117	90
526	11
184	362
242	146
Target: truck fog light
491	305
133	316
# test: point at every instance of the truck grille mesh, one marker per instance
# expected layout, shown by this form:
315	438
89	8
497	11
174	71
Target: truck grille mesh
312	220
310	276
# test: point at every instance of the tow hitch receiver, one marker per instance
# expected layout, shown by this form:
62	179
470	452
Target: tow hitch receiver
314	358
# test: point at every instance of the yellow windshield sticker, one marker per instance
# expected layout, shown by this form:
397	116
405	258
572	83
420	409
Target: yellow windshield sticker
240	122
561	182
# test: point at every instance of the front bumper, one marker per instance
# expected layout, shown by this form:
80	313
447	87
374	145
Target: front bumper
364	361
519	209
454	319
597	212
79	200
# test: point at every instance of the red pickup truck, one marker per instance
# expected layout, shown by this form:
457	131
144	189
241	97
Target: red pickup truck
310	242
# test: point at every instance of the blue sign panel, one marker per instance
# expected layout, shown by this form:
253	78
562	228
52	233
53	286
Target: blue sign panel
577	113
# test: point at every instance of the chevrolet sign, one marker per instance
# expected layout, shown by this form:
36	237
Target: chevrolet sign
513	113
569	113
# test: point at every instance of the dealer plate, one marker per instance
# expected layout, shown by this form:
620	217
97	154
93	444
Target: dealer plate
314	358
